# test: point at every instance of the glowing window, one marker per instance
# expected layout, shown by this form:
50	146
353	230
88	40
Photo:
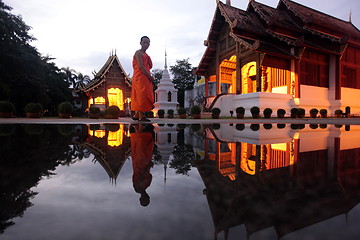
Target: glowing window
115	97
99	100
91	101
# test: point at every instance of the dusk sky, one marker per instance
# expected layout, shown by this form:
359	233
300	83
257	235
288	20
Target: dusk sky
81	34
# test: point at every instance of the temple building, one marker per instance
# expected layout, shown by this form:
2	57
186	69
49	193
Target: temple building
284	57
110	86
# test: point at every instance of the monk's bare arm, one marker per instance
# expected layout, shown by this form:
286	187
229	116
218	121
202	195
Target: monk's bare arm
138	56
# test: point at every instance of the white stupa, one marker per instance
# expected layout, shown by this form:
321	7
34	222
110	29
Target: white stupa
165	94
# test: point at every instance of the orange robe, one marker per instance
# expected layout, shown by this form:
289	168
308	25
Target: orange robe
142	96
142	145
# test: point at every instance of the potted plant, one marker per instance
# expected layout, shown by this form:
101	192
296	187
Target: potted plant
6	109
112	112
323	113
294	112
301	112
33	110
215	113
161	113
94	112
65	109
195	111
267	112
338	113
170	113
255	127
240	112
313	112
182	113
280	113
255	112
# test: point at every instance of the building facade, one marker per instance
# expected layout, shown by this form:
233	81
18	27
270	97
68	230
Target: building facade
110	86
284	57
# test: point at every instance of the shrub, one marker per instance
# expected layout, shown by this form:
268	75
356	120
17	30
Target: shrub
94	110
112	110
255	110
294	111
240	110
170	111
33	108
338	112
215	126
216	111
323	112
301	112
181	111
314	111
267	126
240	127
281	111
6	107
267	112
161	112
65	107
195	109
255	127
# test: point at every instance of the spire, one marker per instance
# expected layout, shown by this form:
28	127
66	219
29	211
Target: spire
228	2
165	59
350	20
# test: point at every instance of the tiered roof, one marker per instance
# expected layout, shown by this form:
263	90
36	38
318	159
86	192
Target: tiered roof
279	31
100	76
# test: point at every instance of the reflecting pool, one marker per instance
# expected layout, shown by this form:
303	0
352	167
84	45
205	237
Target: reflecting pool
215	181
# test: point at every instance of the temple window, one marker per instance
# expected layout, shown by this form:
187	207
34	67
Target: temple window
99	100
169	96
228	75
115	97
248	77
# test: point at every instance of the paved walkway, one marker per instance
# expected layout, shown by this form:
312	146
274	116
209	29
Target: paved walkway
126	120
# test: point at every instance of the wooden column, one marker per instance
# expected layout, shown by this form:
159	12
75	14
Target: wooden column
258	74
238	69
338	73
217	62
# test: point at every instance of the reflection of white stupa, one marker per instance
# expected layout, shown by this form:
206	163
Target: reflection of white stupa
165	140
165	94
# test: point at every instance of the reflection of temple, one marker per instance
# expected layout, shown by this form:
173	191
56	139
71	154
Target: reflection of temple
165	140
110	145
282	178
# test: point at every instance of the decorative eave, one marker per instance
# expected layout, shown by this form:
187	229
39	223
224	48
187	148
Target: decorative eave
100	76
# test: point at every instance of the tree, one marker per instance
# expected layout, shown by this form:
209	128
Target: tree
183	156
25	75
157	73
183	78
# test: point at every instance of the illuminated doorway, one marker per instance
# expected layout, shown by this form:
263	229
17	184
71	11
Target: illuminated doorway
115	97
248	81
228	75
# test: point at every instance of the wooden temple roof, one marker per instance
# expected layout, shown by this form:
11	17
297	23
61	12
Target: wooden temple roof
276	31
100	76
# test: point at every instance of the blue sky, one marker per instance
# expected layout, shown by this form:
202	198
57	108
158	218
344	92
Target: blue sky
81	34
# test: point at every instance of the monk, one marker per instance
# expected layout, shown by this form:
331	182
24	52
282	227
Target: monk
142	145
142	97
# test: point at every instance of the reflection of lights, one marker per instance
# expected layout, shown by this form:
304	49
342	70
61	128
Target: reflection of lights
248	166
116	138
279	146
97	133
296	135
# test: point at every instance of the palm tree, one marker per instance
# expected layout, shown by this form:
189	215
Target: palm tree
70	75
81	81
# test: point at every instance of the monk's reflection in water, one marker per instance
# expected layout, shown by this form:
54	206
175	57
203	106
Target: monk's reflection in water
142	145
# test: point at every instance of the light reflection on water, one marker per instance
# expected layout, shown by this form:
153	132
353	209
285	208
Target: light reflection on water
231	181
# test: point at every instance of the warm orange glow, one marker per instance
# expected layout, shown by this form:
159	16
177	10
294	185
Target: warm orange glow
97	133
90	102
248	75
212	78
115	97
247	161
228	73
99	100
115	139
